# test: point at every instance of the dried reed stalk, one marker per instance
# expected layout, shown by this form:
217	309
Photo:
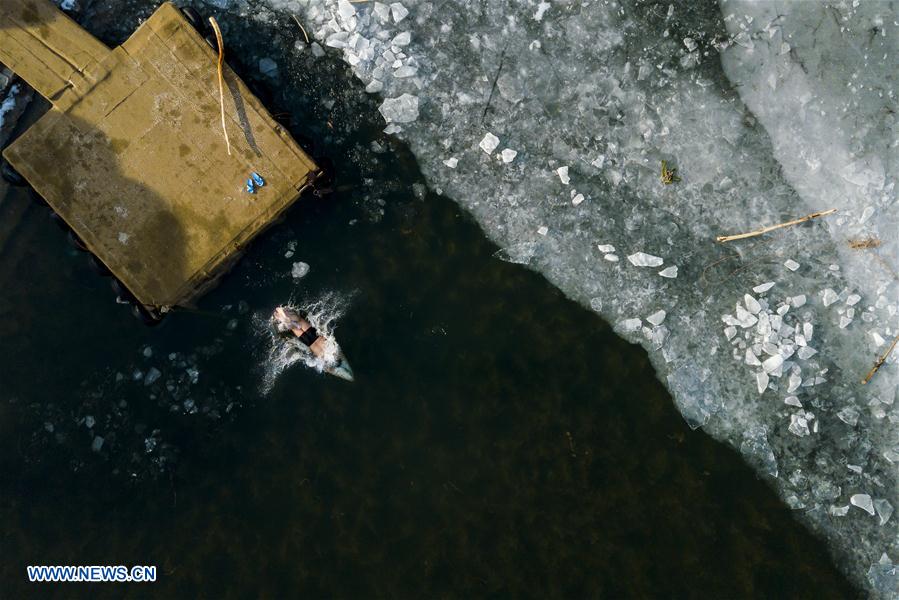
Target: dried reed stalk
882	359
763	230
303	29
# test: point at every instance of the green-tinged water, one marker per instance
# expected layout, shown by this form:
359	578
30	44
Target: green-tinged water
499	440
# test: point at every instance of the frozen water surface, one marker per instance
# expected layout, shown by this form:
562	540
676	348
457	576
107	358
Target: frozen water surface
767	111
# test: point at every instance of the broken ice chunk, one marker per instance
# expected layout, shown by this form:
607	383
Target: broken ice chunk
451	162
403	109
884	510
793	401
730	331
853	299
799	424
97	444
543	230
641	259
791	264
611	257
839	511
828	297
752	304
746	318
862	501
577	199
762	288
773	364
489	143
299	270
793	383
798	301
398	11
761	381
606	248
806	352
669	272
508	155
374	86
562	172
656	318
631	325
401	39
751	359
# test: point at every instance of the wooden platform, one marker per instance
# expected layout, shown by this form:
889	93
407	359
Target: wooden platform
132	154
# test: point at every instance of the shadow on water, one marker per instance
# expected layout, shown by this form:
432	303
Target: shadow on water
499	440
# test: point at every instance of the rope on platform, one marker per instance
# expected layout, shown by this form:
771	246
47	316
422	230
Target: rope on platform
221	45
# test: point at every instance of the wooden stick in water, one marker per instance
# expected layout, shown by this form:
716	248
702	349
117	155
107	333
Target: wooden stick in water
221	45
303	29
741	236
883	358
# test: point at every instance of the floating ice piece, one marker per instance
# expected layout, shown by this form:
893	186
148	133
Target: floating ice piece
839	511
806	352
508	155
853	299
401	39
793	401
451	162
541	9
89	422
828	297
123	237
730	331
299	270
268	67
669	272
798	301
752	304
631	325
374	86
403	109
97	444
745	318
562	172
761	381
345	9
543	230
489	143
577	199
791	264
656	318
641	259
606	248
762	288
152	376
793	383
884	510
848	415
771	365
799	424
751	359
398	11
611	257
862	501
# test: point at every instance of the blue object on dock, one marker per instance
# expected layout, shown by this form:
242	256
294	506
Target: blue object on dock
251	188
257	179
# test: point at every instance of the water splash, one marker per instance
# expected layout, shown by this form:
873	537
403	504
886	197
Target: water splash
323	313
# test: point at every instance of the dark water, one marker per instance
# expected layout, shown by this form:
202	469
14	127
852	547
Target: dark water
499	440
